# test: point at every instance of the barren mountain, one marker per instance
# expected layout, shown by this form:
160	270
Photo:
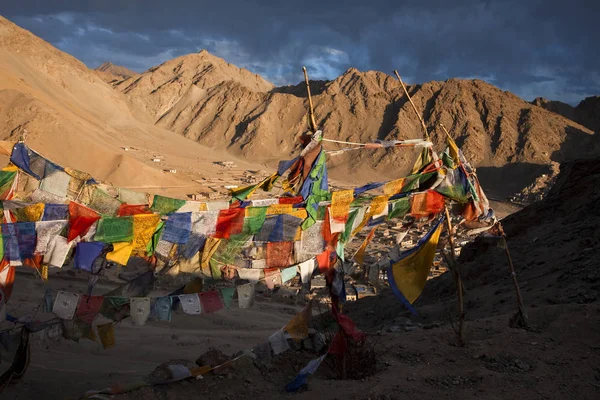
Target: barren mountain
71	116
110	72
587	112
203	98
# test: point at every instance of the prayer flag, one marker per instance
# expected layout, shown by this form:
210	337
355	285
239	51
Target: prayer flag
408	274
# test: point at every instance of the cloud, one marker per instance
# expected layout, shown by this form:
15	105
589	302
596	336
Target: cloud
533	48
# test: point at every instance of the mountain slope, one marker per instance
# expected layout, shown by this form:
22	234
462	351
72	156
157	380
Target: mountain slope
110	72
236	110
70	115
587	112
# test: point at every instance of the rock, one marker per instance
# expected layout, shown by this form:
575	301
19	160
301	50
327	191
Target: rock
164	373
212	357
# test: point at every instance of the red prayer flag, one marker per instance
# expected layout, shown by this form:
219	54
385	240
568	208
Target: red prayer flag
211	301
427	203
126	210
279	254
81	218
230	222
291	200
324	260
88	308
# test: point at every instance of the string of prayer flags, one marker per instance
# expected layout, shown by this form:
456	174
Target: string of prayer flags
65	305
399	208
190	303
211	301
245	295
139	309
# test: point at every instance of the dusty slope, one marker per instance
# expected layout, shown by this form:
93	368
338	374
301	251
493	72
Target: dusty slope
234	109
587	112
110	72
76	119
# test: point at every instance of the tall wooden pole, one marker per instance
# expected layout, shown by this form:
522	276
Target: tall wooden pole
413	106
520	319
457	281
313	124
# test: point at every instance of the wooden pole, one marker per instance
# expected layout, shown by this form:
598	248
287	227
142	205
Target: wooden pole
313	124
413	106
457	281
520	319
445	130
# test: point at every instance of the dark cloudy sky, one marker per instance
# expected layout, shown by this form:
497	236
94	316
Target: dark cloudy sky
531	47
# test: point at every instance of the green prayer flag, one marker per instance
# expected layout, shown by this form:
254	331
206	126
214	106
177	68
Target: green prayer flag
400	208
155	238
114	229
166	205
255	218
227	294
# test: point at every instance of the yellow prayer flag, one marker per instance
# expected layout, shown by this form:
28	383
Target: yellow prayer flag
408	275
210	246
10	168
121	253
340	204
393	187
144	226
378	205
297	328
44	272
34	212
359	256
107	335
275	209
